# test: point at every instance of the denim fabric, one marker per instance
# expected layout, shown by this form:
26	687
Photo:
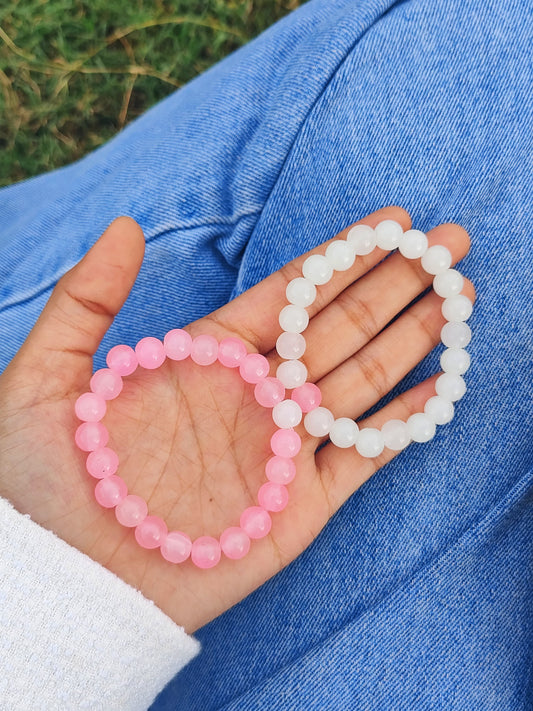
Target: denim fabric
419	593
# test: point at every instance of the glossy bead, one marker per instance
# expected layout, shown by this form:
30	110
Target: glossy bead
343	432
455	360
439	410
109	492
150	353
107	383
280	470
256	522
363	238
254	368
388	234
285	443
151	532
457	308
177	344
319	421
317	269
436	259
231	352
450	387
292	373
293	319
421	428
456	334
287	414
102	463
413	244
122	360
90	407
269	391
341	255
131	511
300	292
395	435
369	442
448	283
234	542
205	552
290	346
273	497
91	435
204	350
308	396
176	547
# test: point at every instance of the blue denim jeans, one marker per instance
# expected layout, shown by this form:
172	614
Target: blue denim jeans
419	592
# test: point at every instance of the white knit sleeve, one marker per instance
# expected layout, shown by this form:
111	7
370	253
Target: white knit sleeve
72	634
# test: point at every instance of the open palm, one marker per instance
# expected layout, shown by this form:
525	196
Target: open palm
192	440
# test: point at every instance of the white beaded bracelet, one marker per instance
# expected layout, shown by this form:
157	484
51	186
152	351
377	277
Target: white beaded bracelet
301	292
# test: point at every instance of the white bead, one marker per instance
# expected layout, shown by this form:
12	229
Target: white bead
341	255
290	345
456	334
388	234
439	410
421	427
318	422
317	269
436	259
294	319
369	442
450	387
301	292
455	360
363	239
448	283
292	373
287	414
413	244
343	432
457	308
395	435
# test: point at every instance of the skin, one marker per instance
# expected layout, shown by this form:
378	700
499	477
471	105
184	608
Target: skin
191	440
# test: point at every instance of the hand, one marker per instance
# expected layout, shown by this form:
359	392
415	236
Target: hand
191	440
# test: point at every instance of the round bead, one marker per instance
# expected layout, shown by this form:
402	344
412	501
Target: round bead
413	245
231	352
176	547
90	407
300	292
269	391
256	522
317	269
369	442
205	552
109	492
102	463
388	234
290	346
449	283
455	360
457	308
308	396
91	435
436	259
395	435
363	238
421	428
177	344
292	373
122	360
319	421
439	410
254	368
285	443
151	532
107	383
234	542
450	387
204	350
131	511
150	353
343	432
273	497
341	255
293	319
280	470
287	414
456	334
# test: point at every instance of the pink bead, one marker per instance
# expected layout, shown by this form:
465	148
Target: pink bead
285	443
107	383
90	407
176	547
204	350
269	391
177	344
102	463
150	353
235	543
205	552
131	511
122	360
308	396
151	532
280	470
273	497
91	435
231	352
256	522
110	491
254	368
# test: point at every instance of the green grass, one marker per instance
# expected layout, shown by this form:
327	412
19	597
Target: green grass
73	73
